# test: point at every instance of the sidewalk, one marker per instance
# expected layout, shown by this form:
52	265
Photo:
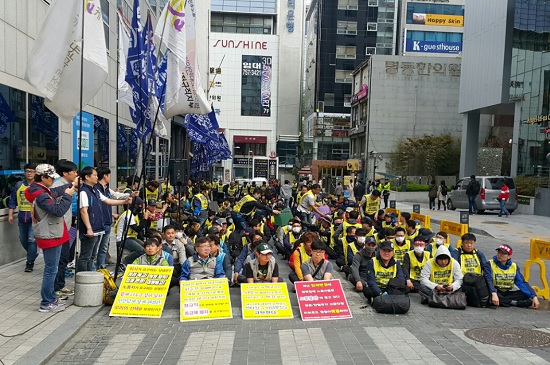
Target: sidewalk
26	335
515	229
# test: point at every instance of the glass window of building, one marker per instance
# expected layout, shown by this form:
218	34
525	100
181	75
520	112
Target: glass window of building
372	27
101	141
346	52
347	100
43	132
345	27
417	35
373	3
348	4
370	50
329	99
241	23
343	76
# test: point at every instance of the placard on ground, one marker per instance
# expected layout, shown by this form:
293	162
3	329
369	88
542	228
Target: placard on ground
265	301
204	300
322	300
142	292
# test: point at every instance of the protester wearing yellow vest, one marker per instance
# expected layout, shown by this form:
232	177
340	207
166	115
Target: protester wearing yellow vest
370	204
413	262
290	239
200	204
308	204
506	277
24	220
151	191
301	255
380	270
165	187
441	273
346	247
401	245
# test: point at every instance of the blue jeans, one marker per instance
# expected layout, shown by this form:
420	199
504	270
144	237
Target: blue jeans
305	217
134	246
51	260
503	209
88	248
472	206
103	246
26	236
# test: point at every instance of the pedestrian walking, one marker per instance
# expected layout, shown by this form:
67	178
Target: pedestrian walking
442	195
472	191
432	194
503	199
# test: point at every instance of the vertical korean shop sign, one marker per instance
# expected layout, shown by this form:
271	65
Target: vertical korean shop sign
321	300
86	155
256	86
205	299
142	292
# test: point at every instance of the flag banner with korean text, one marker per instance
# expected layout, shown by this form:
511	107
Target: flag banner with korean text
124	89
54	65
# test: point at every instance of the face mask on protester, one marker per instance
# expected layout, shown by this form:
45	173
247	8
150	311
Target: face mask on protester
361	239
370	250
419	249
296	229
400	239
179	235
439	241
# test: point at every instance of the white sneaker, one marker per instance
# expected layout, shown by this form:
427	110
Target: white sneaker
71	265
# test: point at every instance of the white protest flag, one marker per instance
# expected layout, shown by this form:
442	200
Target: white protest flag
54	64
184	93
124	89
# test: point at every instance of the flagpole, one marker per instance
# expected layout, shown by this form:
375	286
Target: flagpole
78	244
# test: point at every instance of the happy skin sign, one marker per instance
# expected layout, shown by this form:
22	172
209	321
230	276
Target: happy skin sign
142	292
322	300
204	299
265	301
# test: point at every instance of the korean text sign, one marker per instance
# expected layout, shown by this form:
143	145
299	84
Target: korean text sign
204	299
321	300
142	292
265	301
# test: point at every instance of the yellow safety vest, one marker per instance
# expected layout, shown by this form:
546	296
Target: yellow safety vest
203	200
387	187
22	202
245	199
151	194
383	275
232	190
244	190
345	245
131	232
469	262
303	196
416	266
442	275
503	280
165	188
400	251
292	239
345	228
371	205
411	237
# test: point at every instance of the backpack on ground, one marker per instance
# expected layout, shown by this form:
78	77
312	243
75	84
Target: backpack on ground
392	304
444	190
476	289
109	287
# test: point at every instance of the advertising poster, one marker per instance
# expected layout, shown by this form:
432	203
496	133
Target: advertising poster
322	300
142	292
438	19
260	167
265	301
433	46
86	155
204	300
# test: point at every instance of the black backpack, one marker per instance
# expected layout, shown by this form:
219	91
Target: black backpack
444	190
476	289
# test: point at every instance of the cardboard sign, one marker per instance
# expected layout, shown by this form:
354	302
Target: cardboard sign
265	301
204	299
322	300
142	292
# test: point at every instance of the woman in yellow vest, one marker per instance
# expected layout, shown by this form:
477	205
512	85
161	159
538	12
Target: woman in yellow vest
506	277
442	274
301	255
380	270
413	262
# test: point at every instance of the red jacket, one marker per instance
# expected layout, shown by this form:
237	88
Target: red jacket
504	193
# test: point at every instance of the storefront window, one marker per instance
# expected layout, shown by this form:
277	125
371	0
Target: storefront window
43	133
127	147
101	141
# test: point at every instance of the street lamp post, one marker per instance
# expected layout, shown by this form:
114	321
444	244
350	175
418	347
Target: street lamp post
250	160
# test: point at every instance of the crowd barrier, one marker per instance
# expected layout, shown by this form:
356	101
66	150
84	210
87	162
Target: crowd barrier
539	250
423	219
455	229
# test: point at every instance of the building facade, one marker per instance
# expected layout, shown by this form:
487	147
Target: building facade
254	80
341	35
398	97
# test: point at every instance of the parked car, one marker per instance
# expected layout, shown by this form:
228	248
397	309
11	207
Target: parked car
488	196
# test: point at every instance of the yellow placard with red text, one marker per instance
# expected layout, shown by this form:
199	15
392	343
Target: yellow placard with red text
142	292
205	299
265	301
